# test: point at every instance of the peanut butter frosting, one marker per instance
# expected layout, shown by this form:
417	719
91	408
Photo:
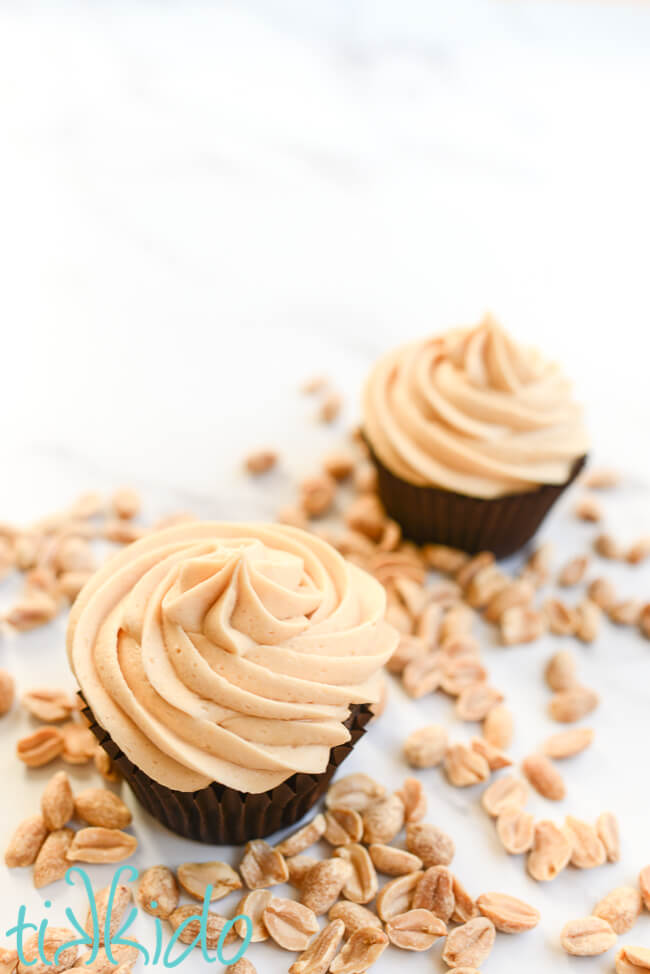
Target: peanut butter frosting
228	652
473	412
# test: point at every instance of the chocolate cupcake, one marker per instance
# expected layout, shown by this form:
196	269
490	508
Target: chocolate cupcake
474	438
228	669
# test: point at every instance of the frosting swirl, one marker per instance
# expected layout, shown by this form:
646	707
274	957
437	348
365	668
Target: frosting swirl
228	652
473	412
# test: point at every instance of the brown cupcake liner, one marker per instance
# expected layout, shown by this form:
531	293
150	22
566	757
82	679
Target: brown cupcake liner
223	816
502	525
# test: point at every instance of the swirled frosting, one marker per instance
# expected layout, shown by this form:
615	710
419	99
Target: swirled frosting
473	412
228	652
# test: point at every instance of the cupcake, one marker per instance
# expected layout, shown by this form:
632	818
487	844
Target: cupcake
228	669
474	438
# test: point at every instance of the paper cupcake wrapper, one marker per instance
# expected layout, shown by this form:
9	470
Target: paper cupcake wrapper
432	515
223	816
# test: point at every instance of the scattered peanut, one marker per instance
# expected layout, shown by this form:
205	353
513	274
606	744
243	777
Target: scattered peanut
323	884
506	794
158	885
57	802
101	845
430	844
566	744
608	833
316	959
464	767
195	877
507	913
470	944
516	830
261	461
574	571
415	930
262	866
364	947
291	925
7	692
587	849
102	808
550	853
544	777
25	843
587	937
589	509
303	838
621	908
41	747
569	706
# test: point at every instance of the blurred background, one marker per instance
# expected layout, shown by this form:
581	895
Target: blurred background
202	204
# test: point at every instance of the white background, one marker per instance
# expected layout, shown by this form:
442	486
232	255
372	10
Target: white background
201	204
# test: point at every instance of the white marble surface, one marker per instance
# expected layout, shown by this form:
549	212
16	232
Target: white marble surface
204	203
610	776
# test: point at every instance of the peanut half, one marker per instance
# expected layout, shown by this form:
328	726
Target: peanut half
383	819
7	692
470	944
303	838
158	892
430	844
360	952
195	877
435	892
633	960
608	833
102	808
57	802
621	908
253	905
587	849
316	959
392	861
644	886
41	747
26	842
566	744
506	794
355	791
361	885
507	913
120	903
98	845
426	747
262	866
544	777
190	933
43	954
516	830
52	861
415	930
291	925
464	767
498	727
323	884
354	917
550	853
395	897
587	937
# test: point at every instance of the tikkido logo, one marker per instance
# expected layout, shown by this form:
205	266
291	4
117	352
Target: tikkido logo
160	954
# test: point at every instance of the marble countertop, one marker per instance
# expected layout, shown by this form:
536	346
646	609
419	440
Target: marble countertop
203	204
